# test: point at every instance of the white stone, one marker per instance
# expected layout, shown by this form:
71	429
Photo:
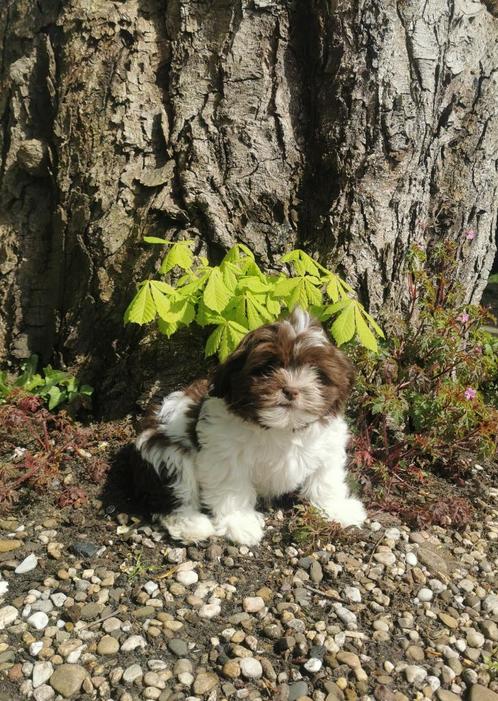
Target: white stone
111	624
133	642
42	671
475	638
434	683
490	604
375	526
345	615
58	599
253	604
411	558
35	648
38	620
251	668
313	664
353	594
425	594
415	674
43	693
385	558
209	611
393	533
132	672
186	678
150	587
29	563
187	577
8	615
4	587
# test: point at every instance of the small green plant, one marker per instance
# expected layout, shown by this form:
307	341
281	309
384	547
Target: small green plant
55	387
236	297
137	568
428	401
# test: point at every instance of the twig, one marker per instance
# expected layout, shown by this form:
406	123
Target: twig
319	591
99	620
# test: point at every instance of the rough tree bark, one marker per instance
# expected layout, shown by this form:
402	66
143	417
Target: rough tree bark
353	128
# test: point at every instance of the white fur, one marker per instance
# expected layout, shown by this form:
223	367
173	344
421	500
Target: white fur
240	460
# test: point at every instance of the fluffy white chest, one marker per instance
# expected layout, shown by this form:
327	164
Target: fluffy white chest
274	461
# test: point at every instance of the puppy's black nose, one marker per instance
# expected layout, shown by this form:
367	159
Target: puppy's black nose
290	392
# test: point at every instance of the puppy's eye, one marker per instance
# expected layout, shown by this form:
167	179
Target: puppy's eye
264	369
324	378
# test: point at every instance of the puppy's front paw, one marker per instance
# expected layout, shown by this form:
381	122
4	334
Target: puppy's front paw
348	512
189	527
242	527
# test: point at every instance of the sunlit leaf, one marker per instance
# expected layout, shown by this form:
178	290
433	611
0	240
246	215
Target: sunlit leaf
142	308
216	294
343	328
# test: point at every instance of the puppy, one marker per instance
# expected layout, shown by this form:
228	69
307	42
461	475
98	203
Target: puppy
270	423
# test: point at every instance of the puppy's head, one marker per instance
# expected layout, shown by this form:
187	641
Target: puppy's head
285	375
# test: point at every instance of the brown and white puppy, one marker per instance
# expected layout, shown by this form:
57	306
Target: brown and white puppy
270	423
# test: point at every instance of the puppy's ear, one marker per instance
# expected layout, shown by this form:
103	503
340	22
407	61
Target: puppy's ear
224	375
343	377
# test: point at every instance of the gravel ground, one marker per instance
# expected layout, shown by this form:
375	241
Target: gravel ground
99	606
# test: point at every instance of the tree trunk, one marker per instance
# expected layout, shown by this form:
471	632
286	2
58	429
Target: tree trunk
351	128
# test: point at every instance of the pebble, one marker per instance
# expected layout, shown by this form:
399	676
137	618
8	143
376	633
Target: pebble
385	558
132	673
415	674
42	671
38	620
411	559
7	545
209	611
8	614
313	664
107	645
297	690
44	693
251	668
352	594
425	594
133	642
178	647
84	549
29	563
253	604
67	679
205	682
187	578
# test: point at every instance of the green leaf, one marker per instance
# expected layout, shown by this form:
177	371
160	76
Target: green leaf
87	390
214	340
334	308
55	397
284	286
302	263
253	283
365	336
167	328
230	273
235	333
180	255
372	323
206	316
273	306
161	302
156	239
343	327
216	294
142	308
313	292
